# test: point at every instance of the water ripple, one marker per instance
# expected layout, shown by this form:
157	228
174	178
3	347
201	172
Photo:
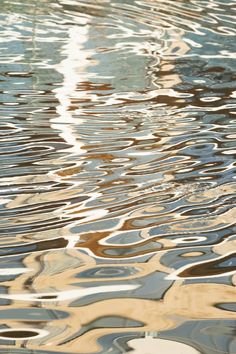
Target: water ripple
117	180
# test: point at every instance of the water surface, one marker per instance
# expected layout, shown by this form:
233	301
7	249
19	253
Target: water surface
117	179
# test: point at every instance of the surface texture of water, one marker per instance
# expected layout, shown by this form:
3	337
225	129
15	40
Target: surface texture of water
117	179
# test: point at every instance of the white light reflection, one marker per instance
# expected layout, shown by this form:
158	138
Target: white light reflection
73	70
69	294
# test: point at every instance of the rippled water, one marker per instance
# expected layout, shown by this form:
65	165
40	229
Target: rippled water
117	179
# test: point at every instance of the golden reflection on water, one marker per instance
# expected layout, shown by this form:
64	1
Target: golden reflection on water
117	187
44	285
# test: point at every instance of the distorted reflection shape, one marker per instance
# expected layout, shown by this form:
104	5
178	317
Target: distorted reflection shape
149	345
67	295
117	192
20	334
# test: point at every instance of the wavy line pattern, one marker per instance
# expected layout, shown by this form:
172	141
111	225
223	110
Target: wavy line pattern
117	179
